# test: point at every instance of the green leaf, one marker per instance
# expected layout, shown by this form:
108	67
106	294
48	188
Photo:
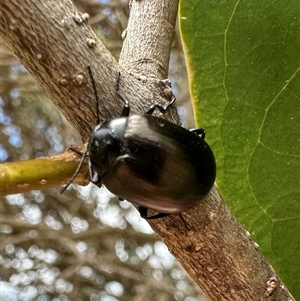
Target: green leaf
244	66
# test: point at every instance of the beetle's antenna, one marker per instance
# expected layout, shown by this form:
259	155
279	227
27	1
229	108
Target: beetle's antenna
126	109
83	155
95	92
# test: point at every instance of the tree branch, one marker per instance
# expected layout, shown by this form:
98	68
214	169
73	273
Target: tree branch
42	173
149	37
54	43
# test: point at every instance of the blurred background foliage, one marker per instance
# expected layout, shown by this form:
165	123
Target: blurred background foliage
84	244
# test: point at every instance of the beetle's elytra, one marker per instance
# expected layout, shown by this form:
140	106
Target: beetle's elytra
151	162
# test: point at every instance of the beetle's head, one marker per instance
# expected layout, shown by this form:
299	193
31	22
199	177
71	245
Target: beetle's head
105	144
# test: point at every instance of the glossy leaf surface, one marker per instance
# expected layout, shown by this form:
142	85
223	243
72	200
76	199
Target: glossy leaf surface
244	68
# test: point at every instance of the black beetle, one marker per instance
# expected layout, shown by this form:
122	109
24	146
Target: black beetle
150	161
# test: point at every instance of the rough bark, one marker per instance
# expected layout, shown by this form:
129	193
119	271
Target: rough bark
55	44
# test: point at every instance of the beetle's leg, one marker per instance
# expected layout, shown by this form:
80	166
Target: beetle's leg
161	108
126	109
144	214
200	132
187	226
77	169
76	151
159	215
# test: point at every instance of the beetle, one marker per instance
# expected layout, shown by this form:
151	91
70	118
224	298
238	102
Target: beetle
151	162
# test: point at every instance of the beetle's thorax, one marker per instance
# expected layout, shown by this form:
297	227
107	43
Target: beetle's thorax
106	143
